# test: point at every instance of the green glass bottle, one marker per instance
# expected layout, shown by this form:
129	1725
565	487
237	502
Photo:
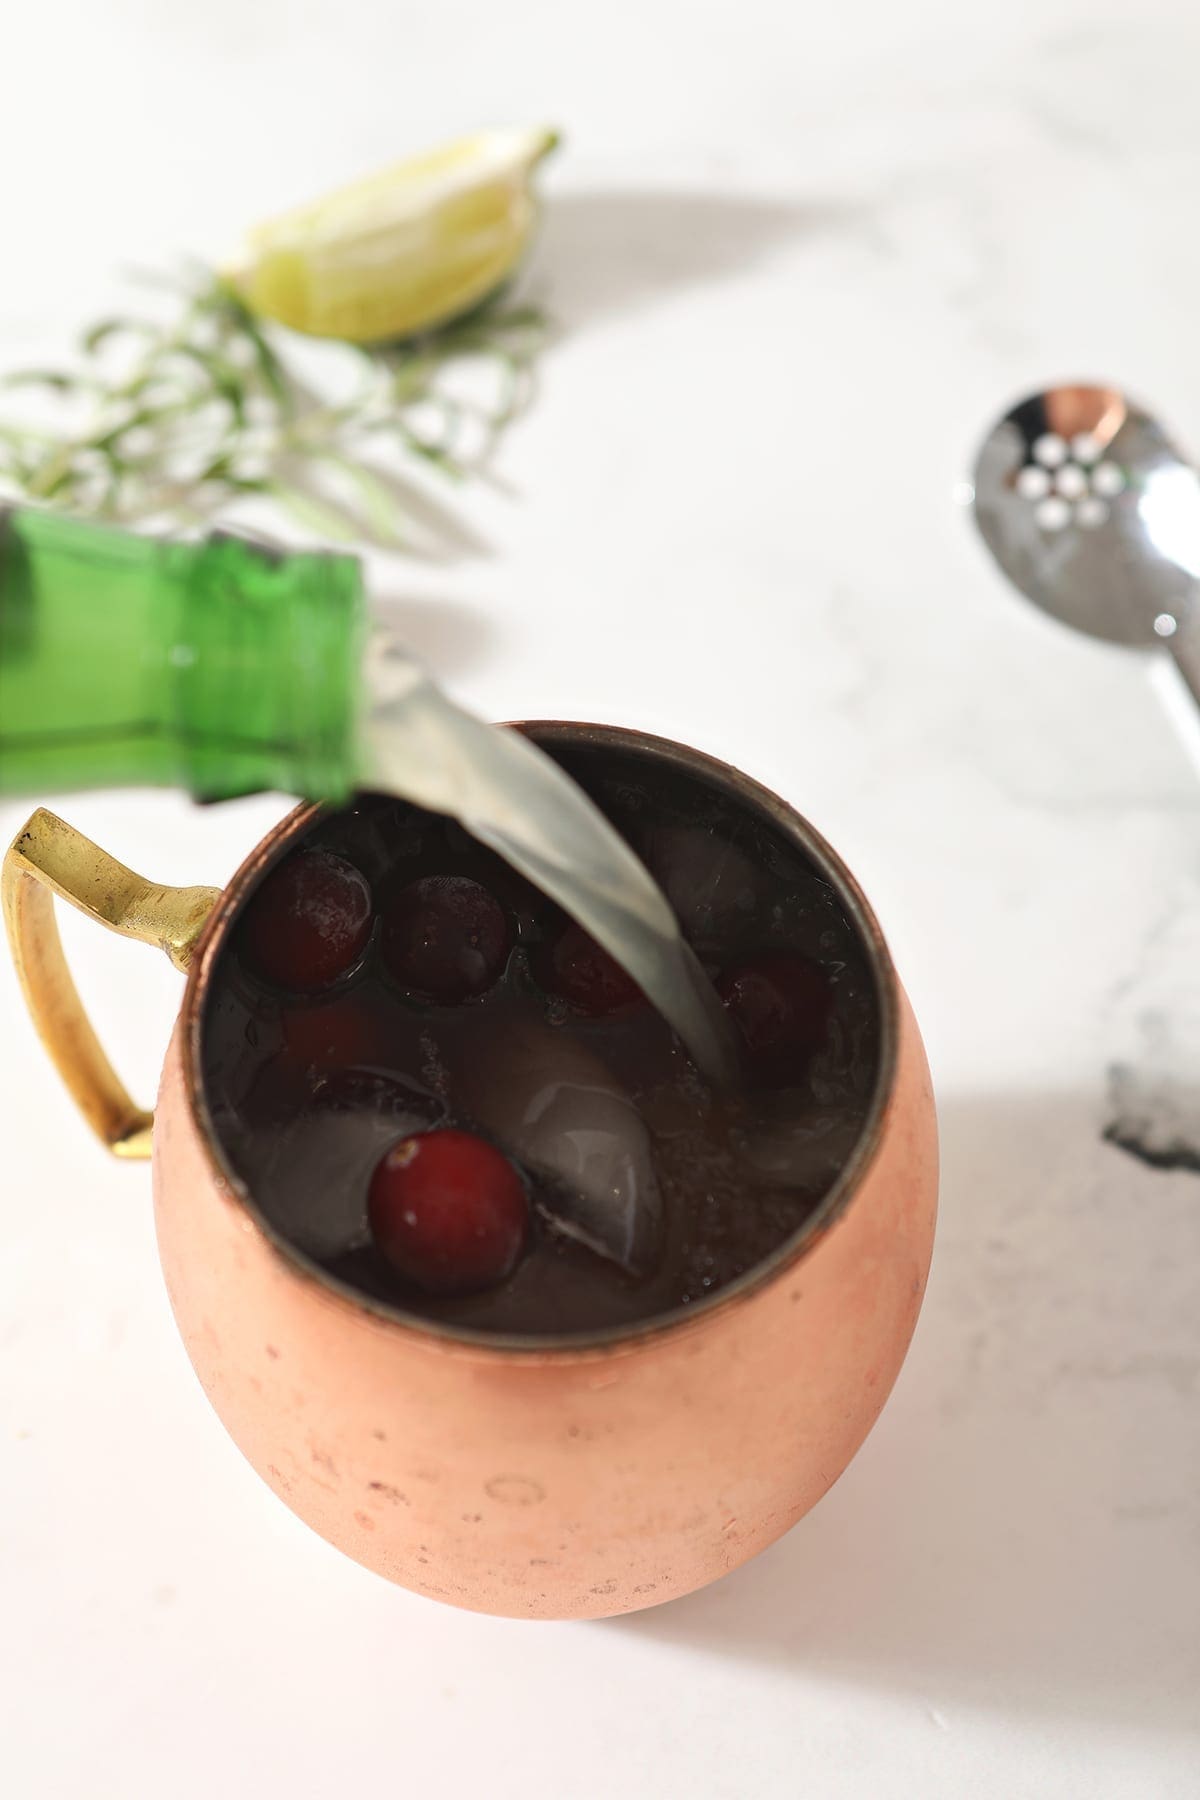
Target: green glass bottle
221	667
226	668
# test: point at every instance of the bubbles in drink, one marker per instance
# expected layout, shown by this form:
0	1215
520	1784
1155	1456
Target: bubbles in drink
785	1140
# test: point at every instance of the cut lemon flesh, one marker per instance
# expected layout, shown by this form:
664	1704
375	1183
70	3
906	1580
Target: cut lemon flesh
401	251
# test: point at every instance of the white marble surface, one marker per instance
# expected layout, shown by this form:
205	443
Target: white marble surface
800	255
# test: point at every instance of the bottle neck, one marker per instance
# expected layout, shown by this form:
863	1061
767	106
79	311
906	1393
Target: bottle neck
221	667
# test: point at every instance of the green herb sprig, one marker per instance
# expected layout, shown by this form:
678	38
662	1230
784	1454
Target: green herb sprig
171	423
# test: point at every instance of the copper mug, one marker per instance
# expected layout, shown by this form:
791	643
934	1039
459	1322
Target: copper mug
556	1479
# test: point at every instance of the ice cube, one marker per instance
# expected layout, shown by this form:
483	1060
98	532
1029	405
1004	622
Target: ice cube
558	1109
713	887
322	1160
783	1140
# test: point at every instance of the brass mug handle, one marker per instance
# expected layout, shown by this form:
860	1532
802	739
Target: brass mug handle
48	857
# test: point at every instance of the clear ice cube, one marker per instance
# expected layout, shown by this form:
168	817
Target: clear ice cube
713	886
783	1140
321	1161
560	1111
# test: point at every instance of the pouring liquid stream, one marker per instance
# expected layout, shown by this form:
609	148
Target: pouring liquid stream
516	800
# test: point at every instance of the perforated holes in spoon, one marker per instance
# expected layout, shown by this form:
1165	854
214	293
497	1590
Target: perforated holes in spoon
1068	484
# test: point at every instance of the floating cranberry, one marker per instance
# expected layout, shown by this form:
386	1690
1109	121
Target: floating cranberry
446	938
342	1034
780	1002
449	1212
309	1044
308	923
574	967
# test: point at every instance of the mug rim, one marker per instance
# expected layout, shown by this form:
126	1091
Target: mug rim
582	1345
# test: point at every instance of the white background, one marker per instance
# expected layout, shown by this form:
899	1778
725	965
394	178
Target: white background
800	255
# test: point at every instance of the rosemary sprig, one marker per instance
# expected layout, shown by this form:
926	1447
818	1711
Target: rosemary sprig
172	423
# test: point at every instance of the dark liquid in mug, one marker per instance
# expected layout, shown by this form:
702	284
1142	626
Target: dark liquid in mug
308	1091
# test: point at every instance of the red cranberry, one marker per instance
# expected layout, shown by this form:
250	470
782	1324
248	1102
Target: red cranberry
308	923
445	938
342	1034
314	1043
449	1212
573	966
780	1002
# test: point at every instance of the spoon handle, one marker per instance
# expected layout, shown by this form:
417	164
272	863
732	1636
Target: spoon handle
1176	682
1184	646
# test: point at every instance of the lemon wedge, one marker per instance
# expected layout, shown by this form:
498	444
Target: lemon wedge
403	250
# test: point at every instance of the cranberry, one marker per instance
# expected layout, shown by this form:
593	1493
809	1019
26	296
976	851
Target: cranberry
342	1034
573	966
308	923
314	1042
449	1211
780	1002
445	938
